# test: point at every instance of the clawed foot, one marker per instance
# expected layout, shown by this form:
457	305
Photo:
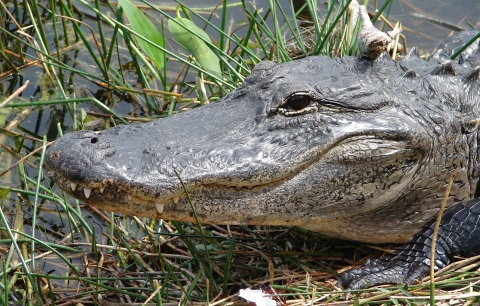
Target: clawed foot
382	271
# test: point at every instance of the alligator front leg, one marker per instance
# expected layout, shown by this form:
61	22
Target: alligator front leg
459	235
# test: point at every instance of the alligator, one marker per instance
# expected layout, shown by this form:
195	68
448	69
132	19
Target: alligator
350	147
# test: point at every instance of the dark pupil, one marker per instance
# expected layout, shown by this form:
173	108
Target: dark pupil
298	102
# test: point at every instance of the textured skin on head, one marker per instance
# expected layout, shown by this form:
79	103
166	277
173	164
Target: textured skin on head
367	159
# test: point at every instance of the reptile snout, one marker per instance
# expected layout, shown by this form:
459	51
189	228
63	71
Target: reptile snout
78	150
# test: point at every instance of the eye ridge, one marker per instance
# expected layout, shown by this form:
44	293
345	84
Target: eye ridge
298	101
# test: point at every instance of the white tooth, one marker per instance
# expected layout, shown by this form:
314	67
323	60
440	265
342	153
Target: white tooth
73	186
102	189
159	207
118	189
238	187
129	196
87	192
175	200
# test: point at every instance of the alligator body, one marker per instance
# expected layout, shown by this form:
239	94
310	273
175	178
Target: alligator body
353	148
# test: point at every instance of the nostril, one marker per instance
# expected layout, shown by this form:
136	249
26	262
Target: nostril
94	140
55	156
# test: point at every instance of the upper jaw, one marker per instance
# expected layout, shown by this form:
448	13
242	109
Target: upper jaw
115	198
110	194
93	191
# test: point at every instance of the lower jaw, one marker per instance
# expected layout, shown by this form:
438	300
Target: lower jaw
112	198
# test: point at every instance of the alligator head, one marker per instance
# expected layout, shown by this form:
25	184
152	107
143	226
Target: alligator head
352	148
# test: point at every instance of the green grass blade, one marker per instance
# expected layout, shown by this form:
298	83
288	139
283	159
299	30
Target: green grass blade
96	57
233	39
460	50
188	37
17	249
331	27
380	11
97	102
141	24
199	224
35	205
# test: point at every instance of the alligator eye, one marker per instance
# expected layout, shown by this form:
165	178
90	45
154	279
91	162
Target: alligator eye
298	102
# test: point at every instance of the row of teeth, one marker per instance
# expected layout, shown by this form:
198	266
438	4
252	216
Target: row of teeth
88	191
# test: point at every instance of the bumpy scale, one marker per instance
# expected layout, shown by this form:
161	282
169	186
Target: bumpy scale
458	235
354	148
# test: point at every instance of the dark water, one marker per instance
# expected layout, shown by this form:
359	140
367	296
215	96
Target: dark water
425	34
42	121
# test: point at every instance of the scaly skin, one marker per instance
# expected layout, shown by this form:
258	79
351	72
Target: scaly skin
353	148
458	235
